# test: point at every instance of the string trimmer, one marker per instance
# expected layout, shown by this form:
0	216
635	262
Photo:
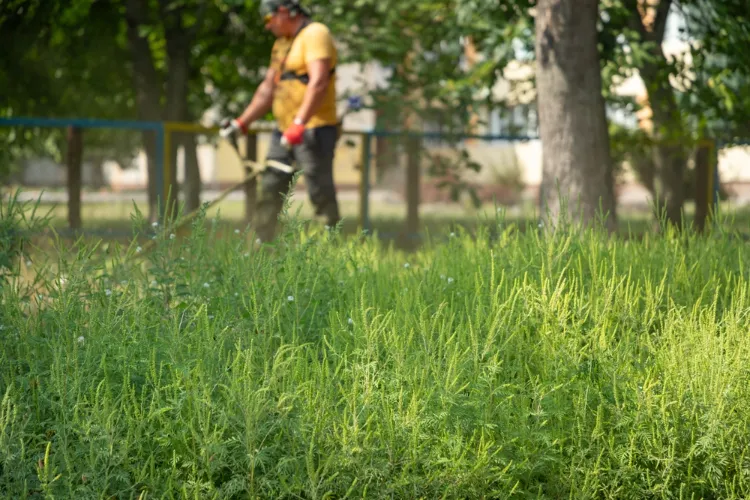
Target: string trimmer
255	168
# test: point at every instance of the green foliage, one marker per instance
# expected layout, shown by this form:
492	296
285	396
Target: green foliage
73	60
230	52
718	98
422	43
62	66
532	367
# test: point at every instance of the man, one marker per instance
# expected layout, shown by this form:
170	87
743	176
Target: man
299	88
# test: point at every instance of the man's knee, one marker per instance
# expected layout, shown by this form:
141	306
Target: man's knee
274	184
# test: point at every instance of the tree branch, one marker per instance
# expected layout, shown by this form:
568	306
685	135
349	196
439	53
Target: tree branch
636	22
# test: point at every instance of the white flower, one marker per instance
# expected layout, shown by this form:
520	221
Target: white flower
155	224
236	294
290	298
138	250
406	266
236	231
172	236
81	339
258	241
450	280
453	235
206	285
351	321
107	292
246	255
28	263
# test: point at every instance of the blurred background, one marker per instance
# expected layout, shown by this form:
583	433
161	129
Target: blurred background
458	75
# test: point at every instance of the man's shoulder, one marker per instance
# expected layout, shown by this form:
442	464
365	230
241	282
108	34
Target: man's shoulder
317	29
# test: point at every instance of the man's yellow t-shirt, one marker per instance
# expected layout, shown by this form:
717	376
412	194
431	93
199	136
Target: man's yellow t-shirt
313	42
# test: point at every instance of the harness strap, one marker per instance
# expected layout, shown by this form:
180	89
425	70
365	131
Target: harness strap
290	75
304	78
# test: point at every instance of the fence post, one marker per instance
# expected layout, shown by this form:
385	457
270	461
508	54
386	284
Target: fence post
75	177
364	183
703	185
251	187
160	159
715	181
413	179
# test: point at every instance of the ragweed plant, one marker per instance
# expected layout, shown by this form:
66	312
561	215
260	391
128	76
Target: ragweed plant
527	365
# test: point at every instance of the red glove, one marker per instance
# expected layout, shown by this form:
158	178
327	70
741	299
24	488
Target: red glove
293	134
229	126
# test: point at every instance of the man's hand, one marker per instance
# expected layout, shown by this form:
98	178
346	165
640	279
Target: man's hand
294	134
228	127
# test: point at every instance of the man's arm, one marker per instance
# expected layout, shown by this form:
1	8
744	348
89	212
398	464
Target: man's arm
261	101
319	74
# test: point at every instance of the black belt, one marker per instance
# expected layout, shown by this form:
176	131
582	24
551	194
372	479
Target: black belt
304	78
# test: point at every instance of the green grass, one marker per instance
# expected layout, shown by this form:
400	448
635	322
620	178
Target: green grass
519	366
112	221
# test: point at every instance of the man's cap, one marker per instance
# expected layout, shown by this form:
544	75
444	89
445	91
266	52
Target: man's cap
269	7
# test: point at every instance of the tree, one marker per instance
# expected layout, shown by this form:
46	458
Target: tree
670	152
573	128
178	47
59	66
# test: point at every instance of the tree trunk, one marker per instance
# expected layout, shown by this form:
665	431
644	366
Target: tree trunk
577	169
75	161
669	155
649	19
147	91
192	187
178	75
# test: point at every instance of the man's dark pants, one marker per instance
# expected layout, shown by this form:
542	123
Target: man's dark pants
314	157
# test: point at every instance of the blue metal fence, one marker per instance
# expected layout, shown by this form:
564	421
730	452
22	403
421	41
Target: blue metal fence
86	123
162	128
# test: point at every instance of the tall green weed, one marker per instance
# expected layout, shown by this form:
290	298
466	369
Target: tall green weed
527	365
